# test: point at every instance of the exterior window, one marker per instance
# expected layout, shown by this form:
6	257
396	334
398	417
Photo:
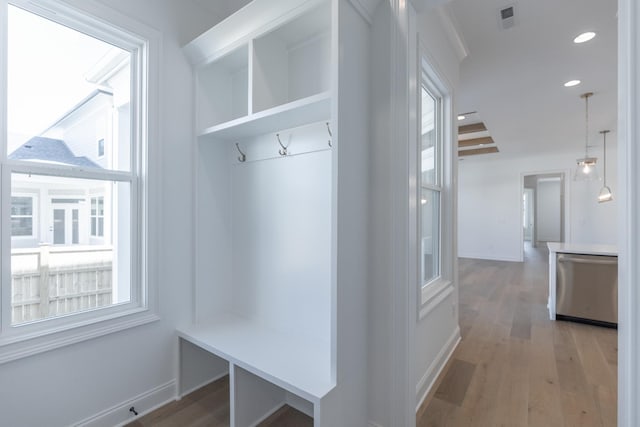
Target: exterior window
97	216
21	216
101	147
431	185
92	85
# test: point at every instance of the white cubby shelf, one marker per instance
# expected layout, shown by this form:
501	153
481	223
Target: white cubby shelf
271	297
311	109
294	364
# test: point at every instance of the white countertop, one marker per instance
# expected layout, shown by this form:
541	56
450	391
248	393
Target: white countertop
583	248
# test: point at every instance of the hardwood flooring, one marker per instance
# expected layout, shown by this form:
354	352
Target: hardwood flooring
209	407
514	366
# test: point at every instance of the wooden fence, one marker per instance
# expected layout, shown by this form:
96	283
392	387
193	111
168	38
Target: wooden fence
52	281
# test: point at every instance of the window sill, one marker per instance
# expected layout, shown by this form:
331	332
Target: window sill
432	294
19	346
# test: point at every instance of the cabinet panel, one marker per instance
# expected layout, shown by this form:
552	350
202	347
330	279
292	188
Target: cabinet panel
292	62
223	89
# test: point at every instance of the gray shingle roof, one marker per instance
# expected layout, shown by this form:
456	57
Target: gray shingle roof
50	150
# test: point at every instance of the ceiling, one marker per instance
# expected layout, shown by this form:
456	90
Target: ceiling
222	8
514	78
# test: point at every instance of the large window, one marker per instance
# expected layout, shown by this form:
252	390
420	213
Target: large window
71	80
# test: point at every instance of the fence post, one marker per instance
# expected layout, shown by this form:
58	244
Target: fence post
43	268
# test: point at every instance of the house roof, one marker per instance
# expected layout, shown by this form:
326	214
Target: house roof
50	150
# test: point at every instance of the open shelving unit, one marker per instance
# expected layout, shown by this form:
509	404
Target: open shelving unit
267	273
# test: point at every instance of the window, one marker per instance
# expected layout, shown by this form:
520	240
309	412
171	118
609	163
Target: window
101	147
431	185
97	216
22	216
435	209
69	78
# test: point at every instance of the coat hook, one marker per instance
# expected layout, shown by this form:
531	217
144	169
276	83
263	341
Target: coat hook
282	152
242	157
330	134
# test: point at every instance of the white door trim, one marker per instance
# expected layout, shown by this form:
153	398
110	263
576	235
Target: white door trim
629	212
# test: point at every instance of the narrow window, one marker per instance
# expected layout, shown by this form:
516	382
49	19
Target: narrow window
431	185
97	216
101	147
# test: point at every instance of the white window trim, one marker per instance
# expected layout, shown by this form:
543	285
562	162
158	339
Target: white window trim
98	20
430	294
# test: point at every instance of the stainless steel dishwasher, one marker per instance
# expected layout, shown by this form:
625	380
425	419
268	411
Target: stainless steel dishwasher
587	288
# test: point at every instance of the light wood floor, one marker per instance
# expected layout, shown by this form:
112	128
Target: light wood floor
209	407
515	367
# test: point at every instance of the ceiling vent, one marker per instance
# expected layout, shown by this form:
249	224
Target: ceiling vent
507	17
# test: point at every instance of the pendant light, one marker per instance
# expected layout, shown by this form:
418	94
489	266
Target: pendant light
605	193
586	169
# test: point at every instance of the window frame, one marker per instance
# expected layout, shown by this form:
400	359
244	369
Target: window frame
430	293
103	23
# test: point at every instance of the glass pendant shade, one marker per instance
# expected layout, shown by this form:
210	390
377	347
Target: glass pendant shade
586	169
605	193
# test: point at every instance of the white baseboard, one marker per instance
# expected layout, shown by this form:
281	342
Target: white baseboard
490	257
268	414
372	424
199	386
436	367
144	403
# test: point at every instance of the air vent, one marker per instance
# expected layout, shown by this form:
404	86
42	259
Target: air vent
507	17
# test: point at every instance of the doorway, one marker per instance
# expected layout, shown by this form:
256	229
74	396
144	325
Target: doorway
66	224
543	209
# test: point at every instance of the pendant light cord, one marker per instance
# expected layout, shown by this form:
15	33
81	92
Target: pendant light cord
604	157
586	125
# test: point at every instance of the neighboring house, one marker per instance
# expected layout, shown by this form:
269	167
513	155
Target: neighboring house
59	211
55	212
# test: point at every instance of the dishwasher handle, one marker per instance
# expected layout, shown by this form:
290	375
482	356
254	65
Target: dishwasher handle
608	260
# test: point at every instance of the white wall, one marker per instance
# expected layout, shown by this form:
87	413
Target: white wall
548	210
490	200
62	387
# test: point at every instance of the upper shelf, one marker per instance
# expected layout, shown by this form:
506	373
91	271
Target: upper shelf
297	113
257	17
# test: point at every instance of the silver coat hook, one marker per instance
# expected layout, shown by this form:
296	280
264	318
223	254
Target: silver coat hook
282	152
330	134
242	157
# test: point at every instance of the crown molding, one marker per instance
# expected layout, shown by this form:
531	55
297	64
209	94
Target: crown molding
366	8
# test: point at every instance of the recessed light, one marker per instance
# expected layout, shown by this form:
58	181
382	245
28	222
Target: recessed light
461	117
571	83
584	37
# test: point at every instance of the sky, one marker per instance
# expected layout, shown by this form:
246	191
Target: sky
47	63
